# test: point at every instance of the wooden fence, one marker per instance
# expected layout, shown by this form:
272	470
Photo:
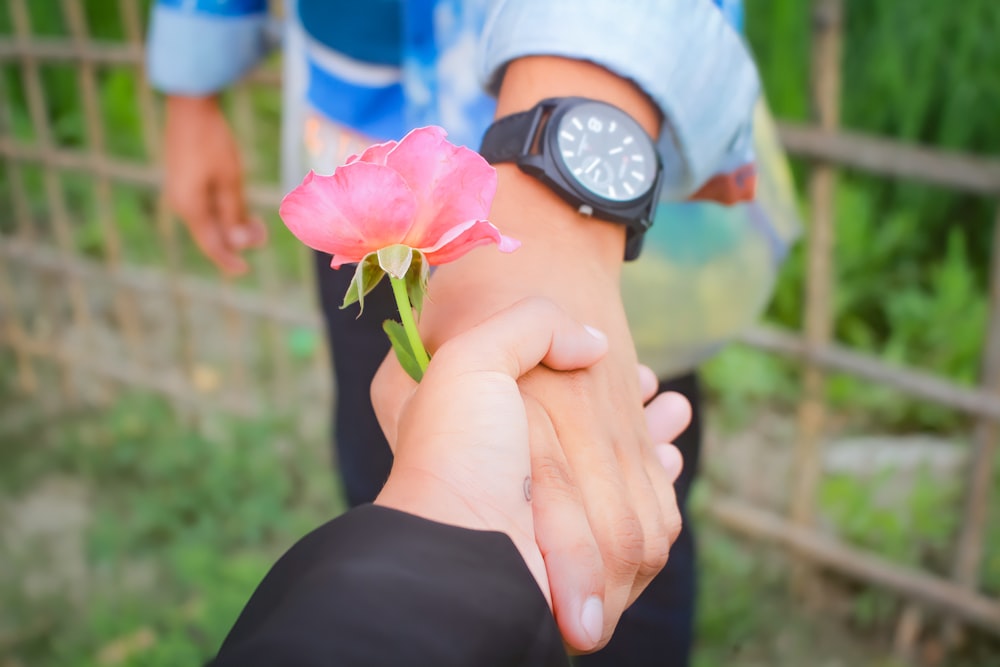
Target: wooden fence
79	324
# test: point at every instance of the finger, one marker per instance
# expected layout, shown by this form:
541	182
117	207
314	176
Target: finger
648	382
256	232
391	388
596	455
667	416
518	338
662	467
208	236
231	208
572	558
670	459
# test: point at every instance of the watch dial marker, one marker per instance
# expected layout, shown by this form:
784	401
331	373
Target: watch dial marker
605	152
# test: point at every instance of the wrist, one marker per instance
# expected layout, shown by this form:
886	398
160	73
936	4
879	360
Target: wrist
551	232
545	216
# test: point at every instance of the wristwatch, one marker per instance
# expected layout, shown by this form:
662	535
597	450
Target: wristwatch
592	154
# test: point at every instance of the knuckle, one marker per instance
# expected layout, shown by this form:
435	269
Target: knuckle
552	476
626	550
657	551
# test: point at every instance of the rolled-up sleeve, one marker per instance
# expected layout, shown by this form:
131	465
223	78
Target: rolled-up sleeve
682	53
198	47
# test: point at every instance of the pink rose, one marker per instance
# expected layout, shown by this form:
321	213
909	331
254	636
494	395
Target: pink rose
421	192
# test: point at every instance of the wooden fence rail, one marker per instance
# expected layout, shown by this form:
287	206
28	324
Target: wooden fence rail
823	142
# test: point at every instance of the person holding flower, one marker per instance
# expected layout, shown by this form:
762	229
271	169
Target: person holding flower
675	68
443	569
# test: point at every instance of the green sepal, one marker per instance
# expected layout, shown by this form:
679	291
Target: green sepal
404	352
416	281
396	259
366	277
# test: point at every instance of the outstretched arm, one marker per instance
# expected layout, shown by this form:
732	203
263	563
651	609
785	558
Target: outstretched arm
683	74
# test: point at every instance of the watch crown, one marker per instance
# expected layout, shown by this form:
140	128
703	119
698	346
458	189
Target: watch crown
586	210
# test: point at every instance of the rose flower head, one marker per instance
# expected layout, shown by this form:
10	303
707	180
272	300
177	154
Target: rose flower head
422	193
398	208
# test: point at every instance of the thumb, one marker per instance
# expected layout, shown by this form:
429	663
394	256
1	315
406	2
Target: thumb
517	339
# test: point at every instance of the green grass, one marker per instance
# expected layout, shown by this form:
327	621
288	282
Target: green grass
177	519
177	522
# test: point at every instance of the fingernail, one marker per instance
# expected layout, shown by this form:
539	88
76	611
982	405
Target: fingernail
592	618
669	458
238	237
596	333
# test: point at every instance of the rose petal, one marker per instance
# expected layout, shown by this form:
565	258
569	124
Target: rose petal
360	208
463	238
374	154
452	183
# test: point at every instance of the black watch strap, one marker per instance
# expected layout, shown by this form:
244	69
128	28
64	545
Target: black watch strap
510	137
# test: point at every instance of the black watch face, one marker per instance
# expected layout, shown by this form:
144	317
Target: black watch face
606	151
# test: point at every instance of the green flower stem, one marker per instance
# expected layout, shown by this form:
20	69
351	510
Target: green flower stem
409	324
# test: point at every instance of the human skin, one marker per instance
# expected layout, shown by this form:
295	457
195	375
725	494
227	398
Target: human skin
465	446
204	182
599	520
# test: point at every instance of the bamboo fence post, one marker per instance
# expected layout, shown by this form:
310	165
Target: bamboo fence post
16	329
124	302
59	214
825	92
266	266
165	224
969	549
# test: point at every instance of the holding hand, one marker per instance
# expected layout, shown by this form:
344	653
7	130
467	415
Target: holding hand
462	456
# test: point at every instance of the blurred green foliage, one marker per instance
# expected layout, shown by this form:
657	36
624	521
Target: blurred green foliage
183	518
911	261
207	508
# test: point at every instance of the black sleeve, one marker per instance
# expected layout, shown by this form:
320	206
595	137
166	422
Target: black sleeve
378	587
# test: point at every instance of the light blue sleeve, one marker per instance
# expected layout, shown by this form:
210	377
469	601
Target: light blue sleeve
198	47
682	53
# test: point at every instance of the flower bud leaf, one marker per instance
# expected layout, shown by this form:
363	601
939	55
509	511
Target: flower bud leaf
396	259
416	281
366	277
401	345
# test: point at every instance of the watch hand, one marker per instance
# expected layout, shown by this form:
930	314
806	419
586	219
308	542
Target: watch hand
591	166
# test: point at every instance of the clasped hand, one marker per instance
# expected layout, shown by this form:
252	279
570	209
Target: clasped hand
475	449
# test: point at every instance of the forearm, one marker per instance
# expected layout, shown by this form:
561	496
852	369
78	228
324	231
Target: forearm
568	257
530	211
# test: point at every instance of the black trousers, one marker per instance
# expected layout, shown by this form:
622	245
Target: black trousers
657	629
